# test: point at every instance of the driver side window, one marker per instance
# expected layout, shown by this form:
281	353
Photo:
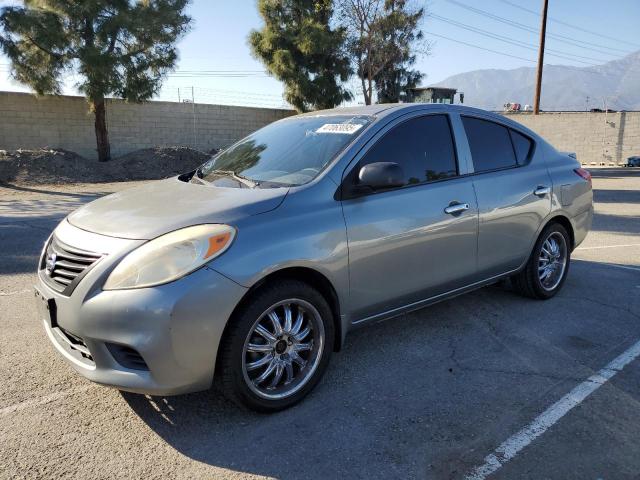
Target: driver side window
422	146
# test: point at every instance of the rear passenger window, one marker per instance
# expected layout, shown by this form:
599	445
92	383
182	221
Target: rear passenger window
522	145
490	144
422	146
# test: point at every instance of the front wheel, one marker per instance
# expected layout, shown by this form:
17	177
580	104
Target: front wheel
547	268
277	346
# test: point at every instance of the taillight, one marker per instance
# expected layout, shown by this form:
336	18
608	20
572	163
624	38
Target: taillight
584	174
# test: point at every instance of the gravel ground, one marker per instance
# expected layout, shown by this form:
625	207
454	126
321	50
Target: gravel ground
429	395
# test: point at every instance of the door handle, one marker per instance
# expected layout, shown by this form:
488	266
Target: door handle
456	208
541	191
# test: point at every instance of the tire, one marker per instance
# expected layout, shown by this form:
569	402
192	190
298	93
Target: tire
245	345
528	281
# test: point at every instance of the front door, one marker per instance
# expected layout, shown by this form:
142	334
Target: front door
403	245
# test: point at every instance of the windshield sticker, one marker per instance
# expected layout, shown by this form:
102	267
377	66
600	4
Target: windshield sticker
346	128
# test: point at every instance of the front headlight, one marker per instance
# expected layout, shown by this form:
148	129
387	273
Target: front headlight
170	256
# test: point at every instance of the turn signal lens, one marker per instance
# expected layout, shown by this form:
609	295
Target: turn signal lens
217	243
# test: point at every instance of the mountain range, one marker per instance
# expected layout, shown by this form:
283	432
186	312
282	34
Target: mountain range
563	87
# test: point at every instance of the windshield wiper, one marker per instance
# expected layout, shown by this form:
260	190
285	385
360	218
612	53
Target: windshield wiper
230	173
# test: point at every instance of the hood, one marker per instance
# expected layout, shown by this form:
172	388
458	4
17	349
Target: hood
159	207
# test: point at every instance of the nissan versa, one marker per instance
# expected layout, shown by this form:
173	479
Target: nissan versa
252	268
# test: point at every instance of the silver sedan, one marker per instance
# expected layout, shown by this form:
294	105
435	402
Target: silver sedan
250	270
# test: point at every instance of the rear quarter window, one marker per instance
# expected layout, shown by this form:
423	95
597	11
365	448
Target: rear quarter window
522	146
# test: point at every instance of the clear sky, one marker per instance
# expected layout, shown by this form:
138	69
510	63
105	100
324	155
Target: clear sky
216	61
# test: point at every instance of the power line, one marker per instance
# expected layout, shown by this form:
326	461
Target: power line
581	69
237	94
253	94
566	24
479	47
222	71
219	95
247	73
203	73
217	75
528	46
214	92
228	101
225	97
558	37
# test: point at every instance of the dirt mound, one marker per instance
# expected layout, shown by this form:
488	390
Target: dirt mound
156	163
55	166
46	166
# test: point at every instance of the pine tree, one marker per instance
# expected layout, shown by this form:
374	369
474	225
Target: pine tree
402	37
117	48
299	48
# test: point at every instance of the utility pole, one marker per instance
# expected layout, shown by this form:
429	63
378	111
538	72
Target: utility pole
604	131
193	105
543	32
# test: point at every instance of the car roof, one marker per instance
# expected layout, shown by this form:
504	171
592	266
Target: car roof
383	109
369	110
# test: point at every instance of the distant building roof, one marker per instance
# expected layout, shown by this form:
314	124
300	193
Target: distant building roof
432	95
433	89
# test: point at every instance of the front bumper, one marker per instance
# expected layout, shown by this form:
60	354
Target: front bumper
175	328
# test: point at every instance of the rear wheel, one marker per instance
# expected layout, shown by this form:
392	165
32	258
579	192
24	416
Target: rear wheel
277	346
547	268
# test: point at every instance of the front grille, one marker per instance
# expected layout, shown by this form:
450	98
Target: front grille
74	345
64	266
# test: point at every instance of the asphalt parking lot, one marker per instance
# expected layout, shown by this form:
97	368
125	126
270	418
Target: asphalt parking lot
545	389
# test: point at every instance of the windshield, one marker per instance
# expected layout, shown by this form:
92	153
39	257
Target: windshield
289	152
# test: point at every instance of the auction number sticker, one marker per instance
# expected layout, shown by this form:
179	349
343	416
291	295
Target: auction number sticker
346	128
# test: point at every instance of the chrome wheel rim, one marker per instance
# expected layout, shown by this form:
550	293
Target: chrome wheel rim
552	261
283	349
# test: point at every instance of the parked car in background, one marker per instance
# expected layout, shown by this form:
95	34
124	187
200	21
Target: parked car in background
253	268
632	162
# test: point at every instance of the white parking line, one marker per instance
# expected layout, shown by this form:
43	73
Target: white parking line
18	292
36	402
510	448
609	246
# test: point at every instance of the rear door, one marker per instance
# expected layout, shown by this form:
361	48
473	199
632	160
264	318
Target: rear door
513	188
403	247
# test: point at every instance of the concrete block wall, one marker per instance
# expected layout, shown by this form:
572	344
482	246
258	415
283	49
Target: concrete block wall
596	138
29	122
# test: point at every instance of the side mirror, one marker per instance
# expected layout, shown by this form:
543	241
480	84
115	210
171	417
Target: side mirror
381	175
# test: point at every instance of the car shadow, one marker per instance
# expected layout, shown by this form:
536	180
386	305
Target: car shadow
613	173
624	225
366	390
616	196
414	396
